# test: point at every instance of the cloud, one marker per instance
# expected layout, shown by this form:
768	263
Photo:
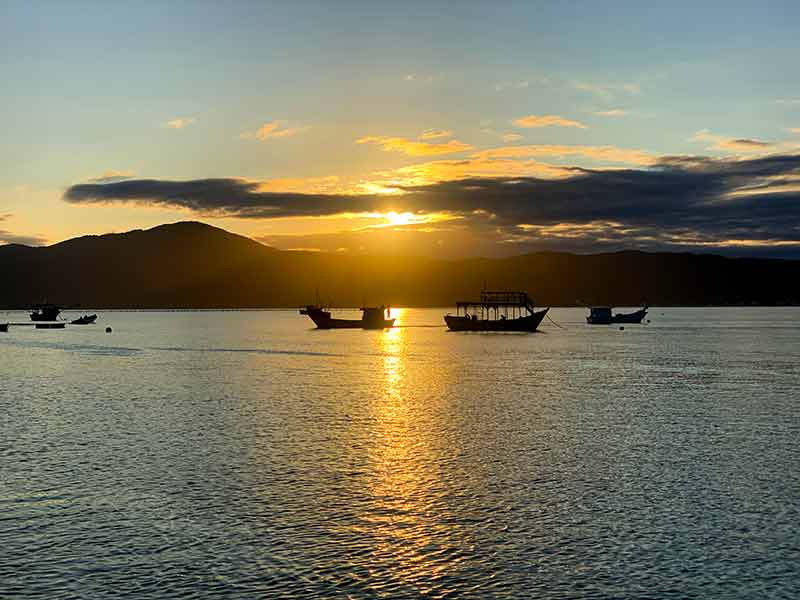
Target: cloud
511	137
532	121
792	101
736	145
180	123
610	154
678	203
614	112
272	130
794	129
414	148
434	134
7	237
111	176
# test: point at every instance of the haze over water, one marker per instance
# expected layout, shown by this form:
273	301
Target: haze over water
238	454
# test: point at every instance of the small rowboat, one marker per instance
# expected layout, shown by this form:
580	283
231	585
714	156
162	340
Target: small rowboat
84	320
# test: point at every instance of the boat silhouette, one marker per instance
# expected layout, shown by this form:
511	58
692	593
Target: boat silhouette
84	320
496	311
45	312
371	318
601	315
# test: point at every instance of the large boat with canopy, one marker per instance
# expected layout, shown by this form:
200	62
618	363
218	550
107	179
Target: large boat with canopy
496	311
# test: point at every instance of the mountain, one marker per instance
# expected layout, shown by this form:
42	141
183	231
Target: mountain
193	265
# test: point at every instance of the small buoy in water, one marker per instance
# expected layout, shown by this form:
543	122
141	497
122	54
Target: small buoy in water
108	329
648	320
622	329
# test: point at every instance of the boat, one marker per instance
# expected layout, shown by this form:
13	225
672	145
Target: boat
84	320
45	312
371	318
3	327
602	315
496	311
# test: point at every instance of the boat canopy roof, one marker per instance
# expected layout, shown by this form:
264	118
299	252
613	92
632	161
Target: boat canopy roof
494	299
600	310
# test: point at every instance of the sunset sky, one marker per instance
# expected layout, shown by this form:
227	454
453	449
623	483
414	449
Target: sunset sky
437	128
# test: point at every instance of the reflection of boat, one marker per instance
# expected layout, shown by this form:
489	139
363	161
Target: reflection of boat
371	318
84	320
496	311
45	312
601	315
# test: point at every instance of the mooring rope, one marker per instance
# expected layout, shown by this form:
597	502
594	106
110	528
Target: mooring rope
554	323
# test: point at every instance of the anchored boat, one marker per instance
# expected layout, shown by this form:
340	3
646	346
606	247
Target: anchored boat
84	320
371	318
45	312
601	315
496	311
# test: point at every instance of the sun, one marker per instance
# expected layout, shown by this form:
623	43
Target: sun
395	218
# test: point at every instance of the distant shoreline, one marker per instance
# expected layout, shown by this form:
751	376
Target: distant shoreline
415	307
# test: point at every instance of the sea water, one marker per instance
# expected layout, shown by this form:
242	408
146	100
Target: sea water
244	454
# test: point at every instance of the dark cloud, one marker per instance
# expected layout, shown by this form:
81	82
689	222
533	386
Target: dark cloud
681	201
228	197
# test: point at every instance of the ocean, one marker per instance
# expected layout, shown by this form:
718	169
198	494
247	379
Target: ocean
243	454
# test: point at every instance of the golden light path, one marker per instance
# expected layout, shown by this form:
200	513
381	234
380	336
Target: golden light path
403	519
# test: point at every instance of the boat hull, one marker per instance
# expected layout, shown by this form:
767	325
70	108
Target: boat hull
634	317
323	320
528	323
85	320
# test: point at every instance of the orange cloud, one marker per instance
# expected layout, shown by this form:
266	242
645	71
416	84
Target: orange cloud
272	129
447	170
179	123
414	148
532	121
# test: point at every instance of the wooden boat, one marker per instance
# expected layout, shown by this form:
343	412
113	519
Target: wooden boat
371	318
496	311
50	325
84	320
45	312
601	315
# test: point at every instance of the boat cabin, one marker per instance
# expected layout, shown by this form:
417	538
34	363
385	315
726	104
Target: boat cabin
497	306
600	315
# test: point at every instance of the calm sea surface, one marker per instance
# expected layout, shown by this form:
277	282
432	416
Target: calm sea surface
245	455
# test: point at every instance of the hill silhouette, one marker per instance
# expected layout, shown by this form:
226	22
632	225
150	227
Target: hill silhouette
193	265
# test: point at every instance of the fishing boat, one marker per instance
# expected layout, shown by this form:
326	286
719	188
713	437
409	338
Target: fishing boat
84	320
602	315
45	312
496	311
371	318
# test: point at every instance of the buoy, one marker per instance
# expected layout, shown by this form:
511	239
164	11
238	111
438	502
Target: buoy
108	329
622	329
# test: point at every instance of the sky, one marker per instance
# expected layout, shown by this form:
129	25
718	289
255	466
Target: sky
436	128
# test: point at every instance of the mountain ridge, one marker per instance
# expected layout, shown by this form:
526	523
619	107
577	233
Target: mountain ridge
190	264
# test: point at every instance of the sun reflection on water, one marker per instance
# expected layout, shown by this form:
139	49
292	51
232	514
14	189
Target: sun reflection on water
403	519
